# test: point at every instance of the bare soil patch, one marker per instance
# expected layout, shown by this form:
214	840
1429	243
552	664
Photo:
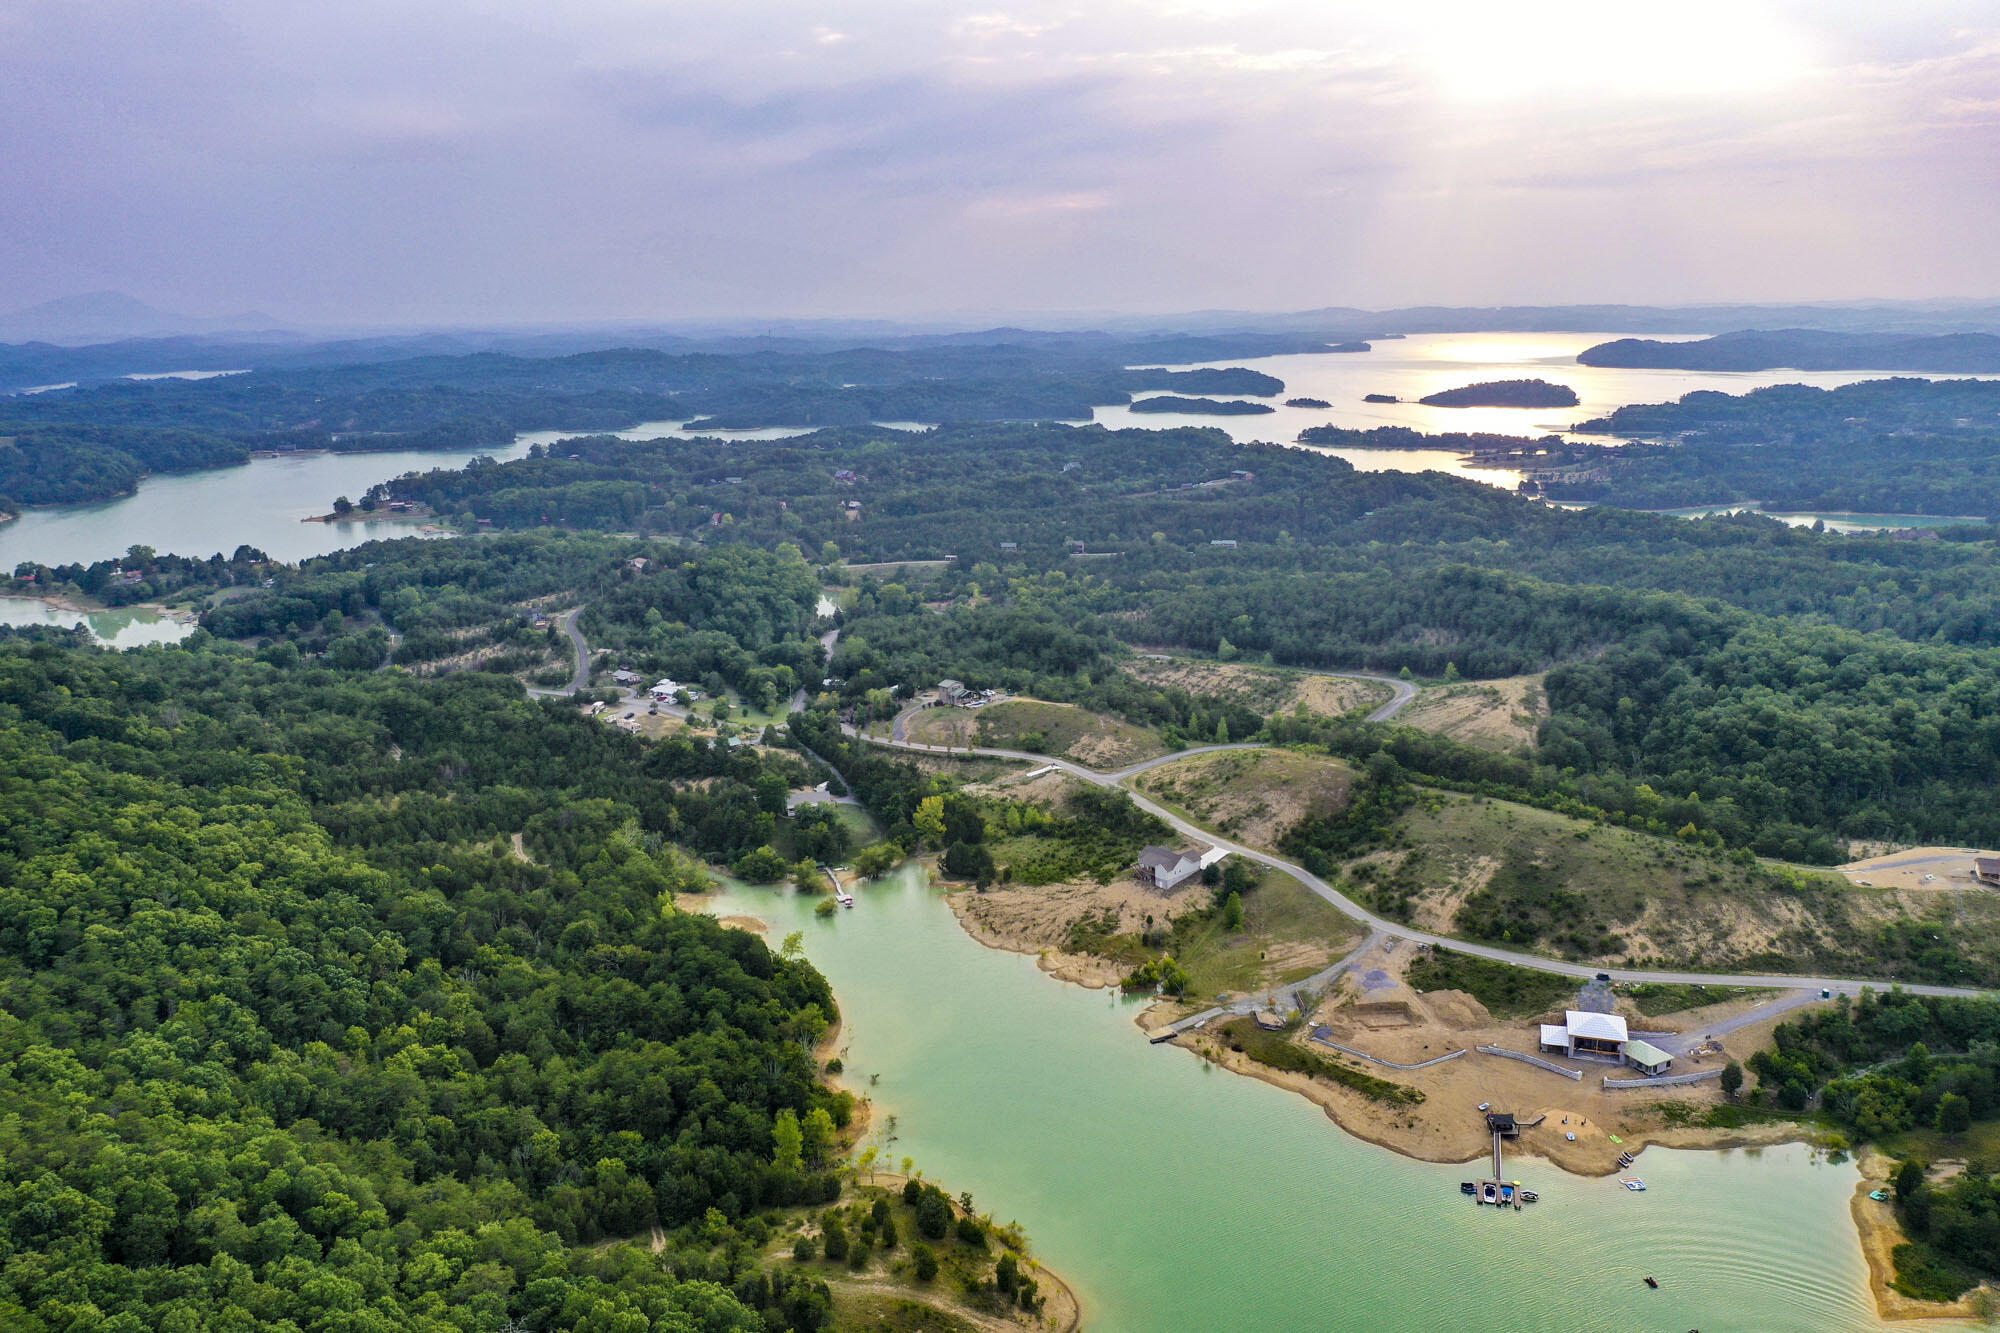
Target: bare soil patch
1491	714
1264	689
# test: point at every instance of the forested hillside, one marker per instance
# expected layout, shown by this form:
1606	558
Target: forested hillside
1801	687
291	1037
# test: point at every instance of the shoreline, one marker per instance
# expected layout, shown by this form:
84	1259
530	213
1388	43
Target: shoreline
1880	1233
1877	1231
1066	1314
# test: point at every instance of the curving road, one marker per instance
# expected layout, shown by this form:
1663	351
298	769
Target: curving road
580	673
1394	929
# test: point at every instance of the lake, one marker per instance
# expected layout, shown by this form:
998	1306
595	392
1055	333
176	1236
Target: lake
1176	1197
263	502
129	627
1422	364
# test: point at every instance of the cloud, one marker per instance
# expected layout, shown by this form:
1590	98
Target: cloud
476	159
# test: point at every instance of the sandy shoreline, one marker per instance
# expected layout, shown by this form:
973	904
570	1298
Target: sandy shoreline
1593	1153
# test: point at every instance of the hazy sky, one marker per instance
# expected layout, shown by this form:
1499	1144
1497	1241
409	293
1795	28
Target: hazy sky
424	160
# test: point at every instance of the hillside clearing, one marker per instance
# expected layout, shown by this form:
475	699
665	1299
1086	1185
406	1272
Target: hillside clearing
1252	796
1262	689
1491	714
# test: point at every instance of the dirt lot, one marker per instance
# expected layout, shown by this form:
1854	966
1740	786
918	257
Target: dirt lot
1264	689
1920	868
1491	714
1252	796
1374	1011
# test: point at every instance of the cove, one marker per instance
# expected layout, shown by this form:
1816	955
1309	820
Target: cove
1176	1197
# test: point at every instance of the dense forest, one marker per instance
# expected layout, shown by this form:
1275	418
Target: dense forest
293	1035
1883	446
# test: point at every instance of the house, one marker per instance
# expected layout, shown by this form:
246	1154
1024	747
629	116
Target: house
1010	546
1071	466
1243	474
845	476
624	677
1587	1036
1076	547
1225	543
1986	869
950	691
637	562
1167	870
662	690
1503	1124
1647	1058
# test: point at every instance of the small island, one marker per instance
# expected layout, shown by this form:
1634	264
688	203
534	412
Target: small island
1307	402
1380	398
1504	393
1210	407
1350	347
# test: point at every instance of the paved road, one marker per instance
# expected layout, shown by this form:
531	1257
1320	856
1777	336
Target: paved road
1683	1042
1395	929
1404	692
580	673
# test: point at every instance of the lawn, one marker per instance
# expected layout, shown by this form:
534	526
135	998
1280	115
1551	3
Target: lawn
1506	991
1289	932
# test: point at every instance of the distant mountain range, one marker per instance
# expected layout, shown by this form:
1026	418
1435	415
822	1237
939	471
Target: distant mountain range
1806	349
103	316
103	335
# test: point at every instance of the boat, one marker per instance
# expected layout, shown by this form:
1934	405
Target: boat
1489	1192
1529	1196
1632	1183
846	898
1625	1159
1468	1187
1879	1196
1653	1282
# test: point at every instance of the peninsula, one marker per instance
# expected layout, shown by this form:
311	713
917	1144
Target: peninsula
1804	349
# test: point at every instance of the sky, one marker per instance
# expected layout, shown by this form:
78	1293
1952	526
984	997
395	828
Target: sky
521	161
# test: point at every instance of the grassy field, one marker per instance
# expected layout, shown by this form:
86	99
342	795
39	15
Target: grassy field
1059	730
1252	796
1507	991
1654	997
1289	932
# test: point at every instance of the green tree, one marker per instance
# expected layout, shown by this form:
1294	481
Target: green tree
1732	1079
926	1262
929	818
1954	1115
1232	912
790	1140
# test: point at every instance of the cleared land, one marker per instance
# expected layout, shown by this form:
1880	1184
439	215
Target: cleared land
1491	714
1263	689
1060	730
1924	869
1515	875
1375	1010
1251	796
